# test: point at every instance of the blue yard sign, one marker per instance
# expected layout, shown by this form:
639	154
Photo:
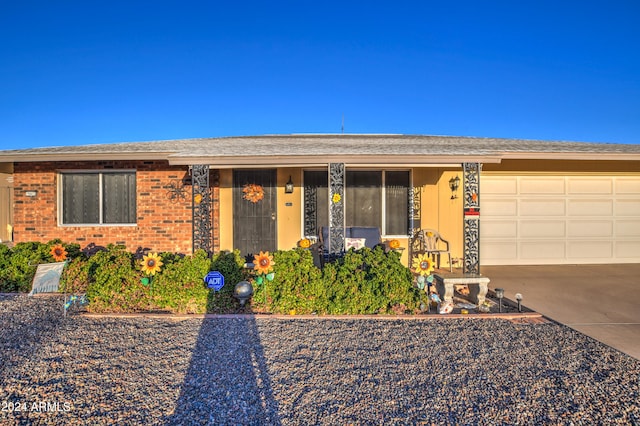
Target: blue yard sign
214	280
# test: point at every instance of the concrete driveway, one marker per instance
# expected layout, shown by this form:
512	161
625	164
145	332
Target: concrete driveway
601	301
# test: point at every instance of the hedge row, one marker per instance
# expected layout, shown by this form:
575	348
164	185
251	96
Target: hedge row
361	282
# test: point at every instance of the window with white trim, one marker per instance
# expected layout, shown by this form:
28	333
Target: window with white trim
98	198
372	198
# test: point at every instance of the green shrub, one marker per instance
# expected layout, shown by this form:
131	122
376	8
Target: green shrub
18	265
179	286
76	276
393	290
297	285
6	285
231	266
112	277
114	282
361	282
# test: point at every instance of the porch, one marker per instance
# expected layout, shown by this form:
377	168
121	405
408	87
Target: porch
295	203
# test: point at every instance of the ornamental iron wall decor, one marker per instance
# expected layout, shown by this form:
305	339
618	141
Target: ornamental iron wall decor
415	209
201	204
176	191
336	209
471	227
310	209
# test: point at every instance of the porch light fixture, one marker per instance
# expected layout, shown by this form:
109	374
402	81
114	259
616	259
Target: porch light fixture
454	184
288	187
499	295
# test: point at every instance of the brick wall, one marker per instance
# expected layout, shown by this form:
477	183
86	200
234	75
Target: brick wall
163	223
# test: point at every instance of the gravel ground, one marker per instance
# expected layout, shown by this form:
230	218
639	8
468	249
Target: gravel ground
81	370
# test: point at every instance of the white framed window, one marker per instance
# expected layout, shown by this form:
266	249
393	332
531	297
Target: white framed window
378	198
97	197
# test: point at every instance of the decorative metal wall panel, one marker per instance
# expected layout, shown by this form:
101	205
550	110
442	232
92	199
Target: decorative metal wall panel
415	209
201	202
336	209
471	228
310	210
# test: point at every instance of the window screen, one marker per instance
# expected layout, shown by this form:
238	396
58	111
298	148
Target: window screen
99	198
372	198
363	198
396	187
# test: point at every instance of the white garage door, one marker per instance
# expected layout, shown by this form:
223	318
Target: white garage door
535	220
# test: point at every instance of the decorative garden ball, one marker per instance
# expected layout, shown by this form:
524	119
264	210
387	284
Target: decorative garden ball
243	291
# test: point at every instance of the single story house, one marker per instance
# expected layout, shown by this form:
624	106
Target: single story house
517	202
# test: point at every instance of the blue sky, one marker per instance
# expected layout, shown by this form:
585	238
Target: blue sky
75	72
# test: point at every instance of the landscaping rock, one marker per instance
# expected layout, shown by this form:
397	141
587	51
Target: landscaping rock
246	370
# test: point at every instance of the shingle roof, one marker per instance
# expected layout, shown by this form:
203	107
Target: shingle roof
310	149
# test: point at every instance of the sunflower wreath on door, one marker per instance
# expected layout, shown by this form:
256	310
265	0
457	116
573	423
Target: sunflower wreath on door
253	192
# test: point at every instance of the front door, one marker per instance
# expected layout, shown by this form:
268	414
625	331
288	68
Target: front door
254	211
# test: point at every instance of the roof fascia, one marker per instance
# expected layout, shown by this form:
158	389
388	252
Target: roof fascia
38	158
604	156
308	161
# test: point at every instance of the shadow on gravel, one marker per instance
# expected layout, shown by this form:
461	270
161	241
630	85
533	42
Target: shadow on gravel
227	381
26	323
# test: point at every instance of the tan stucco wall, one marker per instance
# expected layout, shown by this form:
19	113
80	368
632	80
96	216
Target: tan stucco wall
226	209
290	211
438	211
6	206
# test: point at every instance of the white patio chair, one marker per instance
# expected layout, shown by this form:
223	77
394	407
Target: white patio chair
431	242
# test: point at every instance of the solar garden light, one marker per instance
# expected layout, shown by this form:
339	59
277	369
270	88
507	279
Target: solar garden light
519	300
243	291
499	295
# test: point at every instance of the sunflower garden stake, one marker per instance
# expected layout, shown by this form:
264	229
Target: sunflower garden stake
423	266
263	267
151	264
59	253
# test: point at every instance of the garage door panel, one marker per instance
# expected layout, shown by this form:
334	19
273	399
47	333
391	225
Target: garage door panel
560	219
628	228
628	208
499	208
627	186
590	228
591	207
628	250
541	185
602	250
532	250
501	186
542	229
590	185
499	251
542	207
499	229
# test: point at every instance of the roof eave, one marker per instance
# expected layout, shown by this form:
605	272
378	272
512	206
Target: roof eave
576	156
37	158
227	162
